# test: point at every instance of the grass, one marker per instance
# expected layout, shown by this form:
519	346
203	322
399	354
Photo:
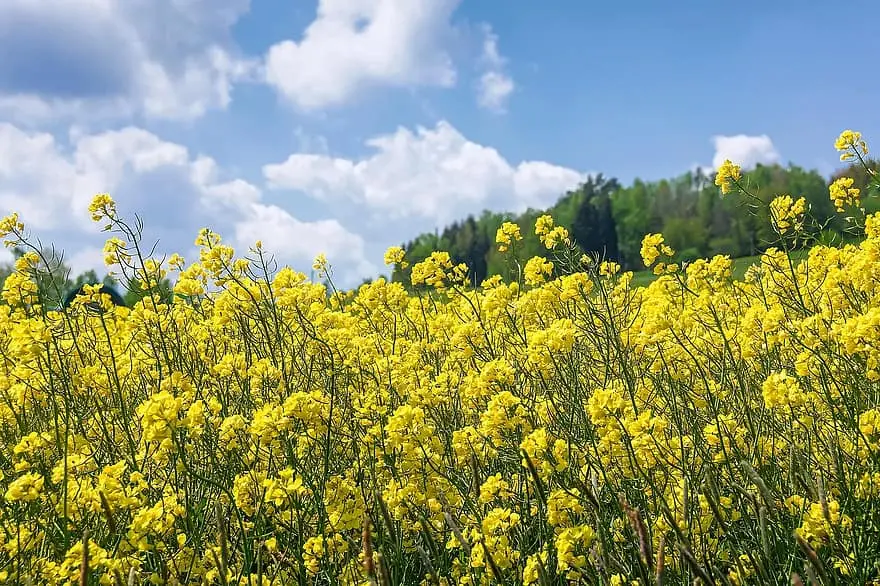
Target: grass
740	266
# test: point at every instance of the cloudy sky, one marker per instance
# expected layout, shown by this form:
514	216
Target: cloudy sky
347	126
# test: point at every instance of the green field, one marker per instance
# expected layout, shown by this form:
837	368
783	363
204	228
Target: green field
740	266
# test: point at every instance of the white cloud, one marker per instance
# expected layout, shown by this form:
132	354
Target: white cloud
435	174
283	234
495	86
92	59
309	143
174	193
353	44
495	89
746	151
100	60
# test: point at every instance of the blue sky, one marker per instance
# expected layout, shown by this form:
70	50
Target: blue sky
346	126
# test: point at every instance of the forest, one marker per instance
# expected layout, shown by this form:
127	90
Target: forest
608	220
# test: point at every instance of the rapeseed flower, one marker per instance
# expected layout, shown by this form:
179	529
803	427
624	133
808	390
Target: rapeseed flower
454	434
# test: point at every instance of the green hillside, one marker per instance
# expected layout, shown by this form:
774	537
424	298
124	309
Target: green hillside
607	219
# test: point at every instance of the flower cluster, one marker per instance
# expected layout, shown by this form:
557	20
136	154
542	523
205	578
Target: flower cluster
851	145
787	214
843	193
571	428
549	234
507	235
727	176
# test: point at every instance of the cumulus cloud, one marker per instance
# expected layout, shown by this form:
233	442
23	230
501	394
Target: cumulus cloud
177	59
115	58
353	44
746	151
431	173
175	192
495	86
280	232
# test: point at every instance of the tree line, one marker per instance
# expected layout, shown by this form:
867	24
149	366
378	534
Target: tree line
603	218
609	220
55	281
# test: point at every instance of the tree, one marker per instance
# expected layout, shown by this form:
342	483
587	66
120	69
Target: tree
864	181
631	214
593	227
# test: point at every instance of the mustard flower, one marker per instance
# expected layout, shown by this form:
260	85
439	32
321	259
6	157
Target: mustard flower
843	193
102	206
787	214
395	256
506	235
537	270
728	174
850	143
653	247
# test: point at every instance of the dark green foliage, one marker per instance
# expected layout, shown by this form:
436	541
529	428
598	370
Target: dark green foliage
115	297
610	220
593	227
57	288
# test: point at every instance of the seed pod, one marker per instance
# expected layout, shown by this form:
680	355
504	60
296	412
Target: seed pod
108	512
496	571
475	471
811	576
224	546
457	532
694	565
759	482
814	560
367	544
427	561
538	482
84	565
386	517
765	539
384	576
661	561
641	531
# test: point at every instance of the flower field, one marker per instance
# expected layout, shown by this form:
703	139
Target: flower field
557	427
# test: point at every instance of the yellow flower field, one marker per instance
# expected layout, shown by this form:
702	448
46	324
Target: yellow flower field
562	427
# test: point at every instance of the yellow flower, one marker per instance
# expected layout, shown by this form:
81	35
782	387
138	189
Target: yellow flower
872	225
787	214
495	487
816	528
176	262
27	261
10	225
483	425
320	264
506	235
537	270
437	271
653	247
843	193
782	390
850	143
728	174
543	225
102	206
395	256
26	487
609	268
572	545
115	252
